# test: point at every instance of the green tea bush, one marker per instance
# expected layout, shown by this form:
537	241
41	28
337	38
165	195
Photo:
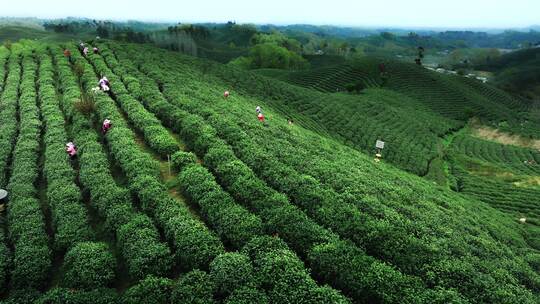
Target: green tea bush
89	265
196	287
151	290
231	271
31	256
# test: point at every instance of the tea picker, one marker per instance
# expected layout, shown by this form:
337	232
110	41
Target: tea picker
104	84
71	150
106	126
3	199
226	94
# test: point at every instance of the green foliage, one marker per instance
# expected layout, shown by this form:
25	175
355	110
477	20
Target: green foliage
31	256
281	273
315	220
140	240
247	295
232	222
182	159
151	290
70	219
64	296
231	271
142	250
397	218
194	245
270	55
26	296
279	39
89	266
196	287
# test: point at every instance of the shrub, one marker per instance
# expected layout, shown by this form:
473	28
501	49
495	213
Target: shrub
151	290
231	221
182	159
193	248
69	296
86	104
196	287
247	295
89	265
231	271
26	296
139	240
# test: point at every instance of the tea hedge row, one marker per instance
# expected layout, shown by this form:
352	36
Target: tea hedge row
6	141
26	223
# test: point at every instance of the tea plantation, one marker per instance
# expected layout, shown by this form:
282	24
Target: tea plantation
189	198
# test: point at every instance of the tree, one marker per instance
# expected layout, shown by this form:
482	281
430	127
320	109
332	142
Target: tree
102	31
269	55
388	36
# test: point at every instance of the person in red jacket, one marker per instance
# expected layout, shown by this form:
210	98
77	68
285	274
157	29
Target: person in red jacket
260	116
226	94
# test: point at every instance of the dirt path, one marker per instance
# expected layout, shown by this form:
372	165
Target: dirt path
495	135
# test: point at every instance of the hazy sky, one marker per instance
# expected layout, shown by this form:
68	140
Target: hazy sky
407	13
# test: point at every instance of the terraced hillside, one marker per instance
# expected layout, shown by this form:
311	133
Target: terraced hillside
244	212
517	72
335	78
453	97
506	177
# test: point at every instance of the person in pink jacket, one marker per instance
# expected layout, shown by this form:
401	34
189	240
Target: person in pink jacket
106	126
71	150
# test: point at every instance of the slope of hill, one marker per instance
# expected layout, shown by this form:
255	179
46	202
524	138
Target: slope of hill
189	196
517	72
15	33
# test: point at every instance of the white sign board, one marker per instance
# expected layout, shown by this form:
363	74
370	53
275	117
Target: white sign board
379	144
